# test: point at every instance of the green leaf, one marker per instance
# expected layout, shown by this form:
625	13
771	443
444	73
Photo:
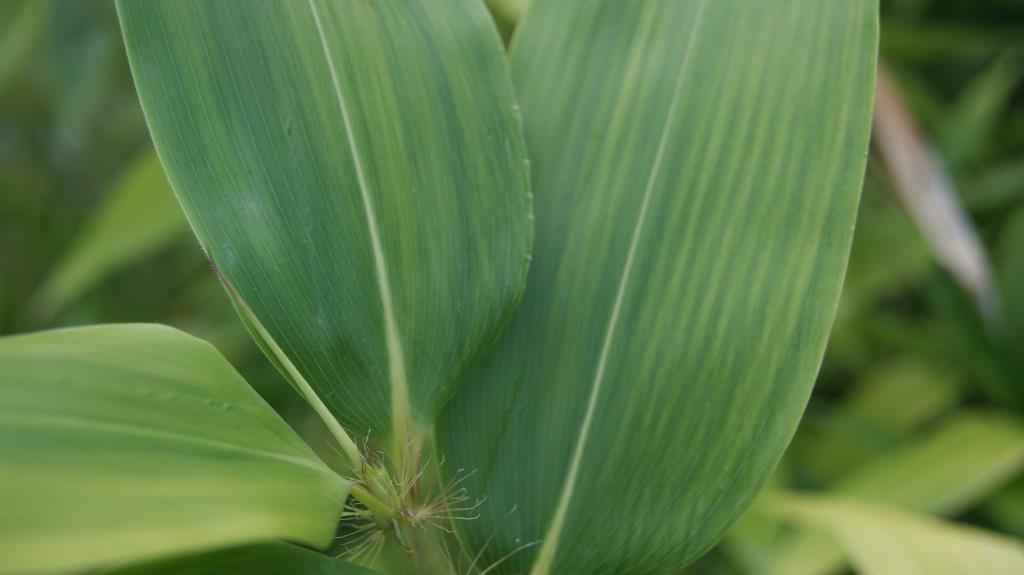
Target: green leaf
975	117
891	400
22	25
136	219
883	541
1010	266
944	472
356	171
1006	508
125	442
268	559
696	167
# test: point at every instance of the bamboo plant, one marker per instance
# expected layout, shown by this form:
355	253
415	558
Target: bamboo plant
559	309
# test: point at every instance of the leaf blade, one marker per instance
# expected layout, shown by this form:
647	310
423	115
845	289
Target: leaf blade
383	246
130	441
268	559
598	82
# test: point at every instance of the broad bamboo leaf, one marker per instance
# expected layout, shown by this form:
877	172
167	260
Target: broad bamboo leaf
885	541
125	442
267	559
944	472
696	167
137	218
356	170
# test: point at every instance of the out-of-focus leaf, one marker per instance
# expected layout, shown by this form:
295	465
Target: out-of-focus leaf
920	181
695	207
887	255
1010	261
886	541
125	442
1006	508
884	406
356	171
945	42
997	188
267	559
945	472
137	218
976	115
22	25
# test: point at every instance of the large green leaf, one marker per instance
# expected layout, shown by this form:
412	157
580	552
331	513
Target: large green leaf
883	541
356	170
129	441
269	559
696	168
137	218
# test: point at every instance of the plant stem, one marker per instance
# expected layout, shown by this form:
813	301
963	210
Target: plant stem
382	513
426	549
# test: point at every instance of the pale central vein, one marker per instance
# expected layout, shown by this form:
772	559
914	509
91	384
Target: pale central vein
396	363
545	558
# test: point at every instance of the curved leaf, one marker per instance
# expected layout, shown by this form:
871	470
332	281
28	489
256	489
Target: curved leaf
696	168
125	442
356	171
269	559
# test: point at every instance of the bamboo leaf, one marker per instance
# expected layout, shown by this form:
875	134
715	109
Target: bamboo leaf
696	167
883	541
267	559
356	171
125	442
137	218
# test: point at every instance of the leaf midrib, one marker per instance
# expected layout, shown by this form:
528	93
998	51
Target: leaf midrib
545	559
400	414
48	420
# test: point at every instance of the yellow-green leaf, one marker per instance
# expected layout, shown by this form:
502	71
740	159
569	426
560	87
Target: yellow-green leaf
696	168
886	541
268	559
125	442
944	471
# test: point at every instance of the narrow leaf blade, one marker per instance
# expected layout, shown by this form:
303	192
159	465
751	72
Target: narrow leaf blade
136	219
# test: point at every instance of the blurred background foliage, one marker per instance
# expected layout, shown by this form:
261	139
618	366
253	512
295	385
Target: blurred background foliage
912	447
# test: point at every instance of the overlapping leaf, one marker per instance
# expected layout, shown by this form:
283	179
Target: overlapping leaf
696	168
356	170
